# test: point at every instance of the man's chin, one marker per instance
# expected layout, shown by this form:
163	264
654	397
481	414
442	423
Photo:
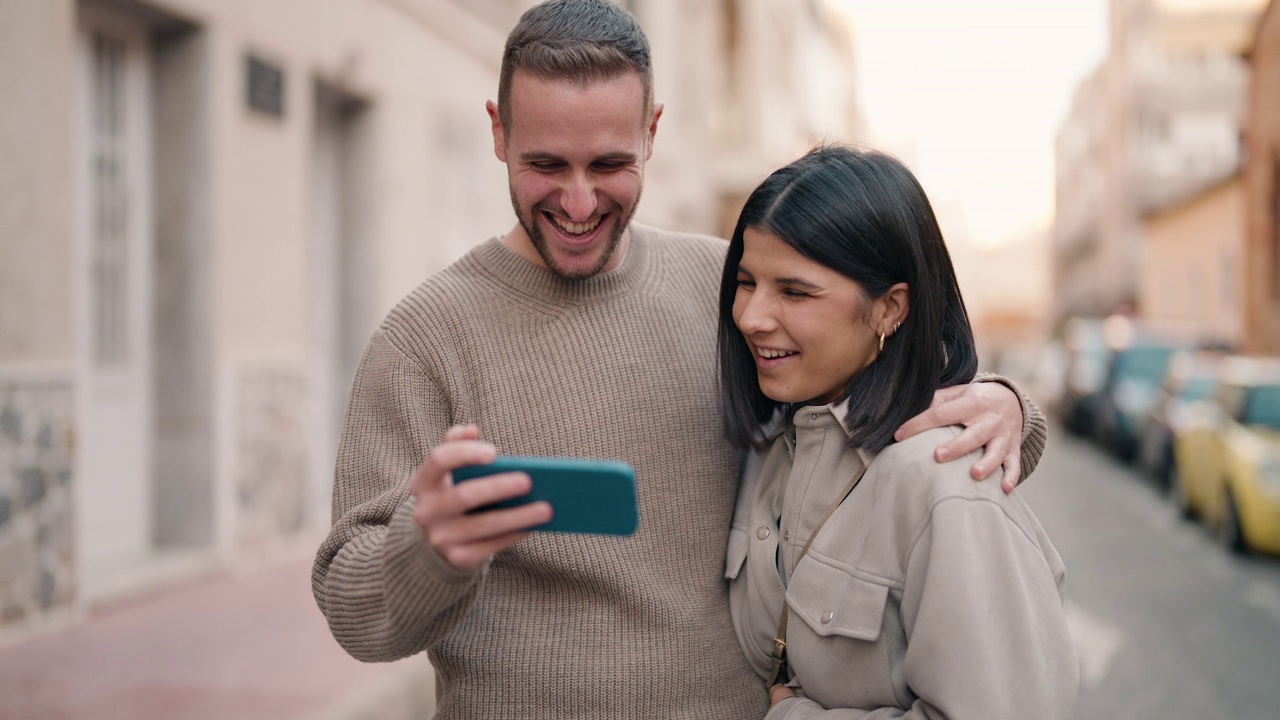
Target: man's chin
578	262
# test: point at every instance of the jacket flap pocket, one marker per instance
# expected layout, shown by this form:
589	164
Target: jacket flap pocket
833	602
736	554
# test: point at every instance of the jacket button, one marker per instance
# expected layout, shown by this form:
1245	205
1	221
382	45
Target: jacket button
828	616
762	533
786	536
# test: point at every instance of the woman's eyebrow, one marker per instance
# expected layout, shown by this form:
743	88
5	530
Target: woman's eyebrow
785	280
797	281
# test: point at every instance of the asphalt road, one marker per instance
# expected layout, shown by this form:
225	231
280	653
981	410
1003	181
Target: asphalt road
1168	624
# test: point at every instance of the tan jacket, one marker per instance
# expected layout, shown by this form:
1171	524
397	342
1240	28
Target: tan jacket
925	595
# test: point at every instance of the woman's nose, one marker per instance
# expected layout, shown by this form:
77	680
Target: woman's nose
756	315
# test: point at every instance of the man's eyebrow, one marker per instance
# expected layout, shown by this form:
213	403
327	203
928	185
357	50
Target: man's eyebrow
539	156
612	157
617	157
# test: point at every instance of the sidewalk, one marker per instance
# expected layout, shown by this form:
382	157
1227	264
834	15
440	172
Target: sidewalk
235	647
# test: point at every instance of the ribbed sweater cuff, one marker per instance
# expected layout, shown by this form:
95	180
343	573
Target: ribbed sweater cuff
414	571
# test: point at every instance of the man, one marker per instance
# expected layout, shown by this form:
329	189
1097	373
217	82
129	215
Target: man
582	334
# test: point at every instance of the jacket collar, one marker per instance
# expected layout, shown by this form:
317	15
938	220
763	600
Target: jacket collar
781	425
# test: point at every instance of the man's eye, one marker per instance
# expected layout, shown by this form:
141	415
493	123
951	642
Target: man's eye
608	166
545	166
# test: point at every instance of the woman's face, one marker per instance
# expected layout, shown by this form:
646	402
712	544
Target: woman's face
809	328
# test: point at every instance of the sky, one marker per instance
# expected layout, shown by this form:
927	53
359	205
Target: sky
971	95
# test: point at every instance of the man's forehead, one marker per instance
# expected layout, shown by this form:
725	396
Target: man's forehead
530	87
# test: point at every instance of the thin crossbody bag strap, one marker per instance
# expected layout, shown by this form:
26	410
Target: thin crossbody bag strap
780	640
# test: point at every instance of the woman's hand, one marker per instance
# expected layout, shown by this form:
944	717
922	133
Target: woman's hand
778	693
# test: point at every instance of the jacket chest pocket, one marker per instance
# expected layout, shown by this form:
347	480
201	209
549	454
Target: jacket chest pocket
837	645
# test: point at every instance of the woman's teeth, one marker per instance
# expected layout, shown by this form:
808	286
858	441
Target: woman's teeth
771	354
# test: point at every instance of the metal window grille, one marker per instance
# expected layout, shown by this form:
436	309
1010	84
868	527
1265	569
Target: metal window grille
110	197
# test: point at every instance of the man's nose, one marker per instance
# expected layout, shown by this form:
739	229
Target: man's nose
579	198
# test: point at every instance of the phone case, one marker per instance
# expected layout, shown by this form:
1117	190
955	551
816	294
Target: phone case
586	496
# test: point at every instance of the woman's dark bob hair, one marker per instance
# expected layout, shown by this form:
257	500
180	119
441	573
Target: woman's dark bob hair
863	214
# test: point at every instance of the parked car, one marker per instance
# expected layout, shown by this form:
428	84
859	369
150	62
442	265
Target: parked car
1129	392
1227	467
1189	381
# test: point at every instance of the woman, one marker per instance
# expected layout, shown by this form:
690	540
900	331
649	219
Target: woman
910	590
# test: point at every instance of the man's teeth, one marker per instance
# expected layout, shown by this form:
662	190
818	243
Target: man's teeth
576	228
770	354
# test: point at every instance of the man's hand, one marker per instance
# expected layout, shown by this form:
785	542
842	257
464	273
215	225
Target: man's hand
467	541
992	418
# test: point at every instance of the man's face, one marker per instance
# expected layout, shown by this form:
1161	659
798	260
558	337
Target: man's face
575	158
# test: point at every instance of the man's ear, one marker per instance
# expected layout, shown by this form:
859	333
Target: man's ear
891	308
499	136
653	130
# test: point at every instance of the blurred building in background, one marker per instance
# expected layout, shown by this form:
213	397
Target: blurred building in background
208	205
1191	282
1159	121
1262	190
1006	292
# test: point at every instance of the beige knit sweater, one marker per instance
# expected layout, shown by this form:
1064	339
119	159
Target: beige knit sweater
559	626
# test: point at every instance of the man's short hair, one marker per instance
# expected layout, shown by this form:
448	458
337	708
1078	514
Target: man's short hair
579	40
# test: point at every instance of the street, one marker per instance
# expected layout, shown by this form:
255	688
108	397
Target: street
1167	623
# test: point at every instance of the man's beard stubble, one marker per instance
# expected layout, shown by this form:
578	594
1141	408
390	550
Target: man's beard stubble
534	232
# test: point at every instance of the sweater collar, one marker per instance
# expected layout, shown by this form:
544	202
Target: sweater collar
538	282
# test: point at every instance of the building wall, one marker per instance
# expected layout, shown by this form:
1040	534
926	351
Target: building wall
1191	286
1079	185
36	40
1262	179
789	84
276	242
233	329
37	545
1171	98
1006	289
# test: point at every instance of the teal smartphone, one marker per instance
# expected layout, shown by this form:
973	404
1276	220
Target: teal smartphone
586	496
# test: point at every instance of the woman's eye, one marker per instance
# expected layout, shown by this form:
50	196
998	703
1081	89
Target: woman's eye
746	282
795	294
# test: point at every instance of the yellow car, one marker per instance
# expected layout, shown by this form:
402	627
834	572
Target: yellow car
1227	468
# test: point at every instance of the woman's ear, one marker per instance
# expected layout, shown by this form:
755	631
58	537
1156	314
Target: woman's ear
892	308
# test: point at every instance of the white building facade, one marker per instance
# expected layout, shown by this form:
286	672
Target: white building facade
206	206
